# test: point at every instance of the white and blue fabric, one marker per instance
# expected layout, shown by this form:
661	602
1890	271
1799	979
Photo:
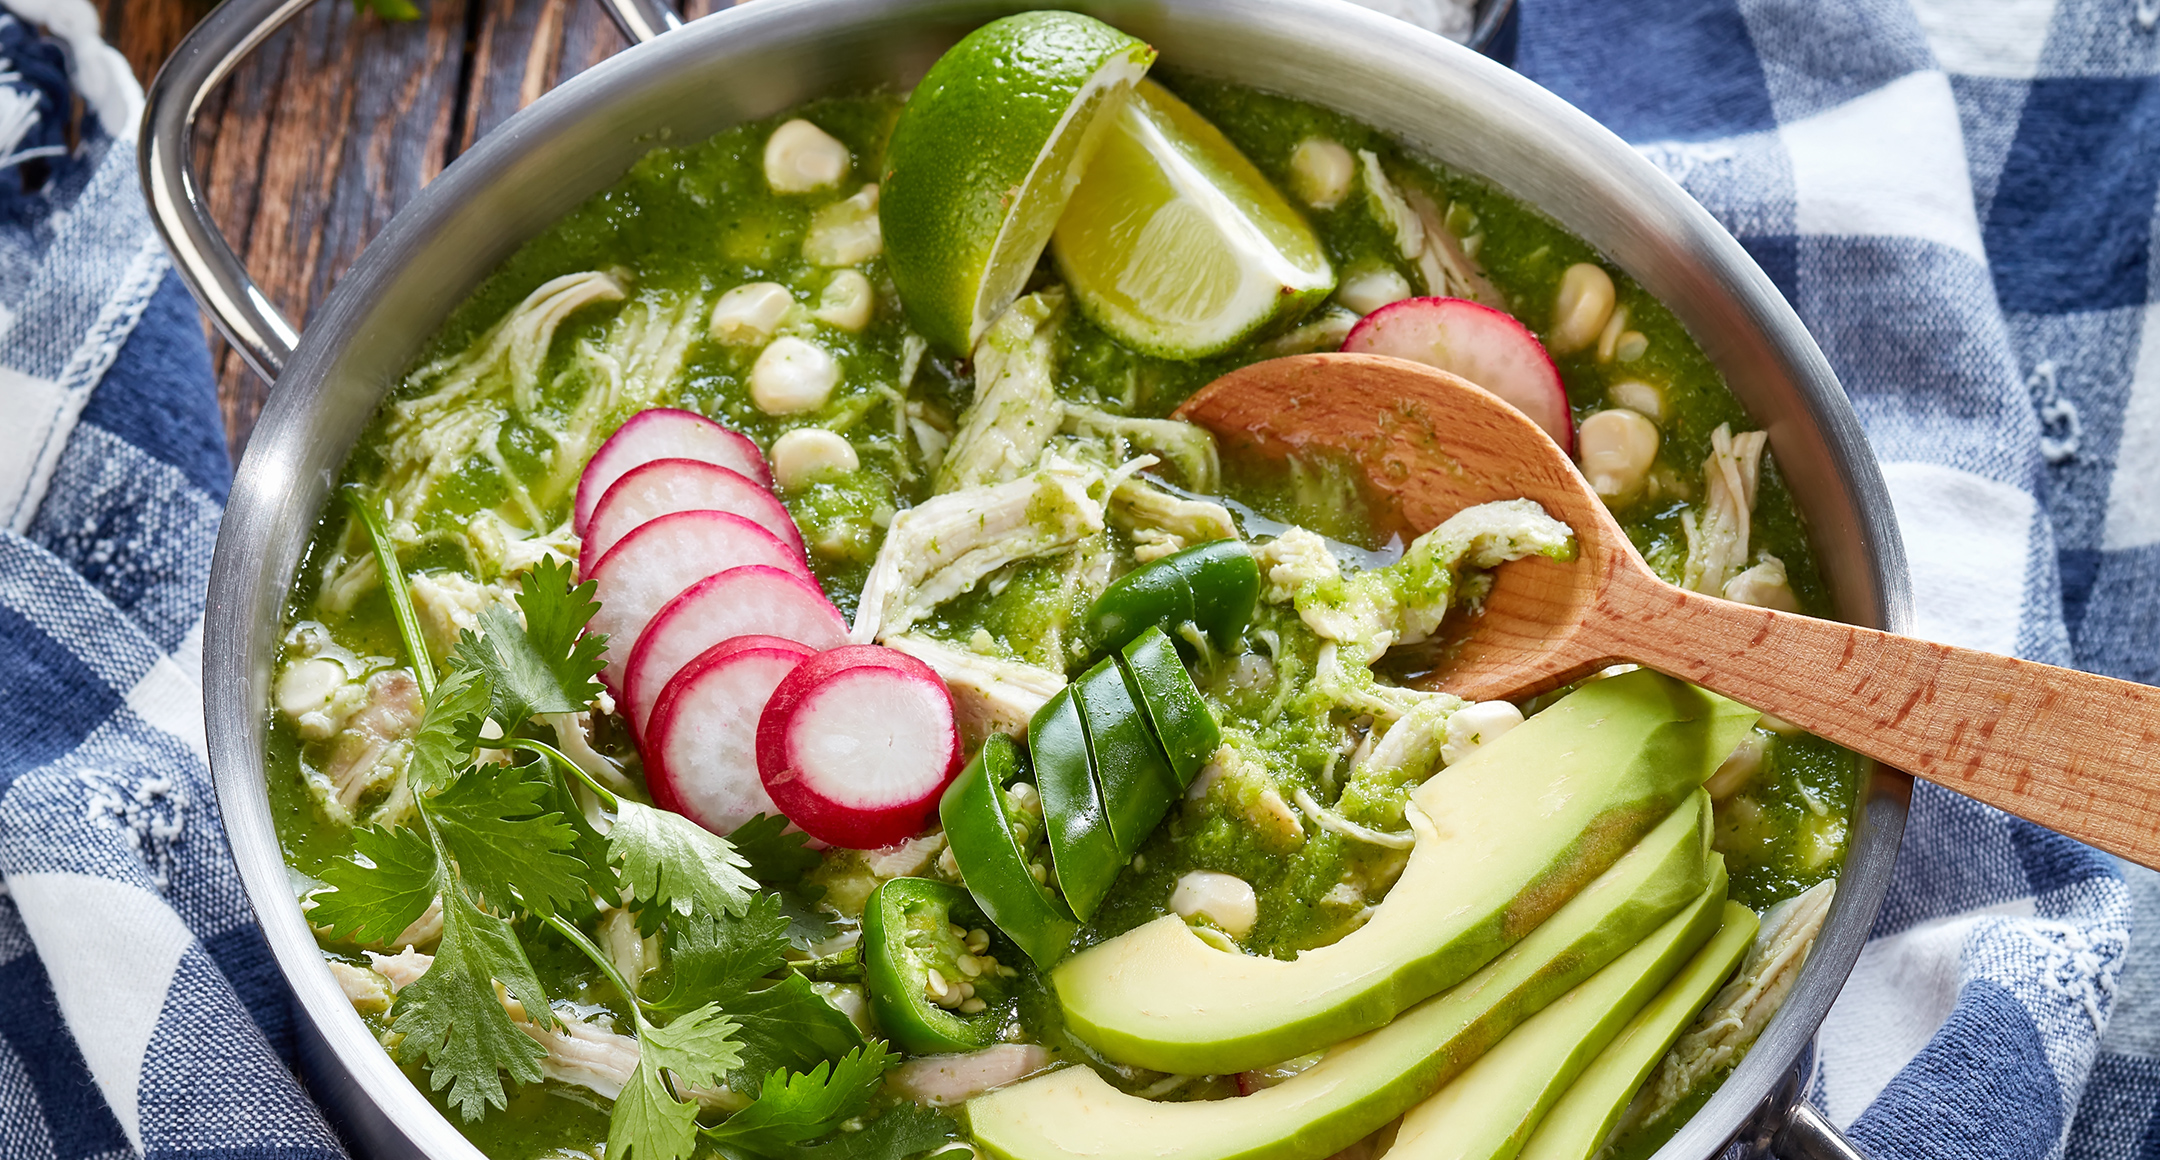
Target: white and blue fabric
140	1013
1958	198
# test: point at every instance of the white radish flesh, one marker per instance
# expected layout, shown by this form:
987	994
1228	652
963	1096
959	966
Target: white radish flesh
655	563
666	486
1480	344
857	744
737	602
701	753
663	433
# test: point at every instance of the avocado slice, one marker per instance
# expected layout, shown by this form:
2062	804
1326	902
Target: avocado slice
1504	837
1580	1122
1494	1105
1363	1083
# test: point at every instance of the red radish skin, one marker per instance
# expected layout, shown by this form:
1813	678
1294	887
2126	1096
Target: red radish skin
1480	344
666	486
701	754
655	563
857	744
755	599
663	433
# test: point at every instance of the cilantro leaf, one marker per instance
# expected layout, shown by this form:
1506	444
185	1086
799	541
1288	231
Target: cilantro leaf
788	1026
700	1047
807	925
715	959
375	903
908	1129
542	665
780	859
453	1024
777	855
492	824
648	1122
449	731
796	1106
668	858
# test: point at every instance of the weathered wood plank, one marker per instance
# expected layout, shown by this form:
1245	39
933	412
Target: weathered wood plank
338	120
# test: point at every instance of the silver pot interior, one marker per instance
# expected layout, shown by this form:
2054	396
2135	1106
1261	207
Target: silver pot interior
757	60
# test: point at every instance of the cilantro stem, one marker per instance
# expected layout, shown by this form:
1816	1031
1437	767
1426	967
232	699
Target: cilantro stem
545	751
400	593
600	959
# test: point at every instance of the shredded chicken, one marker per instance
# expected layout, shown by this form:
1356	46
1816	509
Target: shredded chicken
1765	586
366	990
373	747
945	1080
1717	540
941	548
1444	263
450	603
1423	239
1016	408
1403	603
991	694
579	1049
1162	523
1186	446
906	858
1728	1026
458	407
1293	560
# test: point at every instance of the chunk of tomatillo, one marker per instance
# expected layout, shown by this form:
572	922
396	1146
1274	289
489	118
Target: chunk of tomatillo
930	959
1214	586
1182	724
991	834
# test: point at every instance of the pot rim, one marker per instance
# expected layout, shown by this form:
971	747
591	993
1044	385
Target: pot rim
1649	215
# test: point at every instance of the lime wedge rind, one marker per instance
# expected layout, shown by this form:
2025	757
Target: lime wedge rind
984	155
1064	157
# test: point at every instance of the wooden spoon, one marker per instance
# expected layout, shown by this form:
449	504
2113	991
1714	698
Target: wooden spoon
2077	753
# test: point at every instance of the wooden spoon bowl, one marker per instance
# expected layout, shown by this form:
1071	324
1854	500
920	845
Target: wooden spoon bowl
2075	752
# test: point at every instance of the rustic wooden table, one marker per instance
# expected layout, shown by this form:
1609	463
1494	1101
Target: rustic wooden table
338	120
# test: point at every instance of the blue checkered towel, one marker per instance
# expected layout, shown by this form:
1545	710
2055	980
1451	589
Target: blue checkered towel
1959	199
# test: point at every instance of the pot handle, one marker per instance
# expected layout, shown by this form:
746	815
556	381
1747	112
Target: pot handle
205	260
1806	1135
242	313
642	20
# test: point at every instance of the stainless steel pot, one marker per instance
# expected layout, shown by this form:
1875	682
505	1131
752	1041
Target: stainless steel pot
754	61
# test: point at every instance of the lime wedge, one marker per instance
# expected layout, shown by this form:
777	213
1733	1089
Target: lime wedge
1176	244
984	157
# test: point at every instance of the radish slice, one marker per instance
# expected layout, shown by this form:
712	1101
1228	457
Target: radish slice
701	753
857	744
663	433
1480	344
665	486
756	599
651	565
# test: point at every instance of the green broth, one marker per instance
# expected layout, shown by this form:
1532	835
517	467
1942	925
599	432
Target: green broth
688	222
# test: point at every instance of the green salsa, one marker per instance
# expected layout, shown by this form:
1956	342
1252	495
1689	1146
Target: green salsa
689	223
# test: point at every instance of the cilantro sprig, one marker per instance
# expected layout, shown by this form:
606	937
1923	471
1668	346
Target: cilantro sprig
495	842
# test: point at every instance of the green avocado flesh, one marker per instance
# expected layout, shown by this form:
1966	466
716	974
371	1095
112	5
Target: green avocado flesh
1578	1125
1364	1082
1493	1106
1505	837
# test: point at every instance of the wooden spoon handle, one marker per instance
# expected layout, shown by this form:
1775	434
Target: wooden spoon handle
2077	753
